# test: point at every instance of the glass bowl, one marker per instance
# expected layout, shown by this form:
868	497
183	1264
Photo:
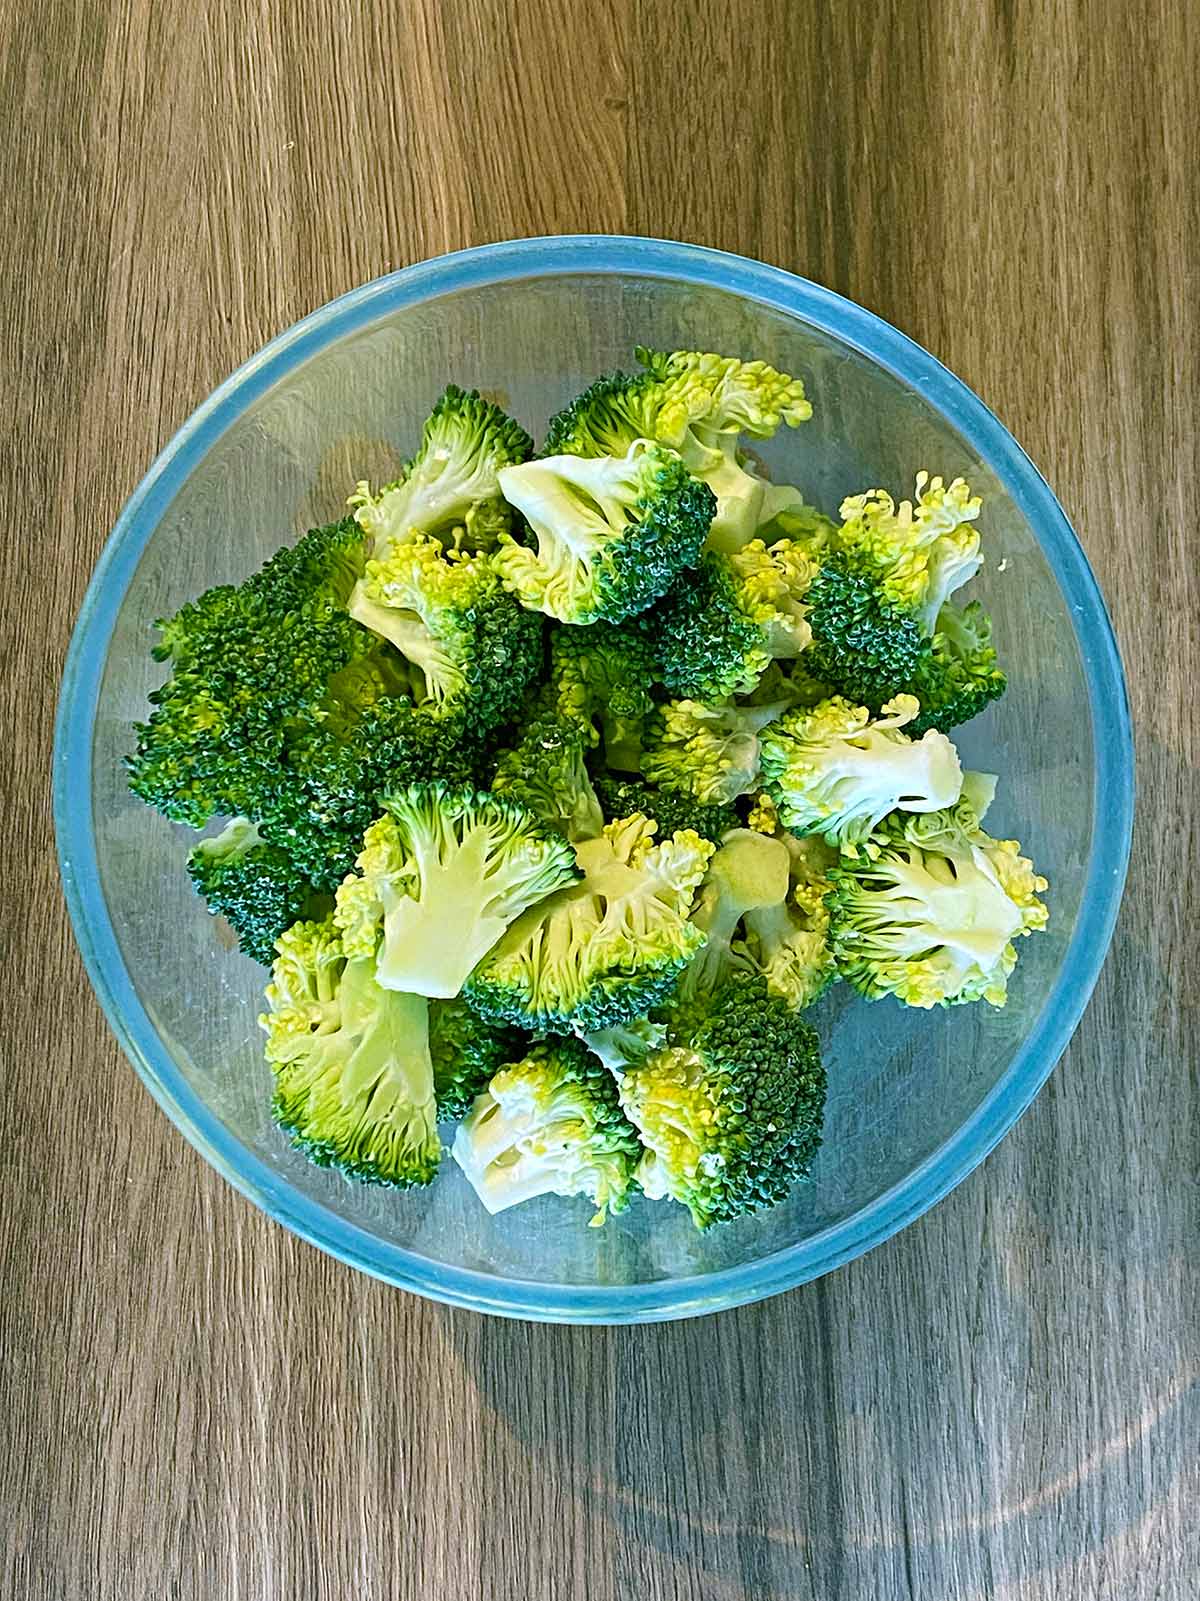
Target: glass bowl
916	1099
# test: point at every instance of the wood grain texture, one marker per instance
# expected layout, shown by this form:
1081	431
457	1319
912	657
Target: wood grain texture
1004	1401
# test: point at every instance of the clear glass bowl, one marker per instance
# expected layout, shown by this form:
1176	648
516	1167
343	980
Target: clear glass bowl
916	1100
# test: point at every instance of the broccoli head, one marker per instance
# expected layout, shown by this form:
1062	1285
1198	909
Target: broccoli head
549	1123
730	1112
957	674
255	886
546	771
919	552
246	664
927	910
669	808
834	770
353	1074
606	949
721	626
711	753
466	1051
469	645
450	487
601	677
700	405
611	532
441	875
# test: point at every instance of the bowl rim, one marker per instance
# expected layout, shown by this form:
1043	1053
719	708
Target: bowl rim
879	342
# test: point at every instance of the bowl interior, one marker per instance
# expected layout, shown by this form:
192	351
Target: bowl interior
902	1084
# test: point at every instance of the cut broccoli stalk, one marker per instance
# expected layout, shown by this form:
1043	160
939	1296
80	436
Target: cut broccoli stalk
440	877
611	532
549	1124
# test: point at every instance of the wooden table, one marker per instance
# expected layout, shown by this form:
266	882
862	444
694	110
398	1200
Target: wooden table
1003	1402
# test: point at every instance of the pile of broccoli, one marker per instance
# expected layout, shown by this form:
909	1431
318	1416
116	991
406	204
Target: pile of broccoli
555	788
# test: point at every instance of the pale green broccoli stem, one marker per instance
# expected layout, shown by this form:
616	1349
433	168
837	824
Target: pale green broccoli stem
452	892
440	674
748	871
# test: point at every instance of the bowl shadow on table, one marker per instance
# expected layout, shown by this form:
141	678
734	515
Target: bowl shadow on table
839	1439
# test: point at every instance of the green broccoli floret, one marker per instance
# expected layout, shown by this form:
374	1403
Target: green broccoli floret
927	910
256	887
957	675
602	677
450	487
611	532
788	943
606	949
834	770
466	1051
470	646
749	871
700	405
671	810
711	753
863	646
246	664
879	611
546	771
353	1074
761	909
720	627
731	1111
441	875
550	1124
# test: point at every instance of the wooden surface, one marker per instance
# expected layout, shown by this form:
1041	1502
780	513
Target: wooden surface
1003	1402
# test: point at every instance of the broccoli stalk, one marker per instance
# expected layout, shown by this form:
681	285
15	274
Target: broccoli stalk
440	876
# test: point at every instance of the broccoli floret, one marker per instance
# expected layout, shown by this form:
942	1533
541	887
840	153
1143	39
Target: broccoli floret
835	771
863	646
747	873
721	626
671	810
625	1043
466	1051
441	875
927	910
353	1074
450	486
787	515
879	611
549	1124
364	740
601	677
611	532
470	646
711	753
256	887
546	771
730	1113
919	552
700	405
246	663
604	950
957	674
